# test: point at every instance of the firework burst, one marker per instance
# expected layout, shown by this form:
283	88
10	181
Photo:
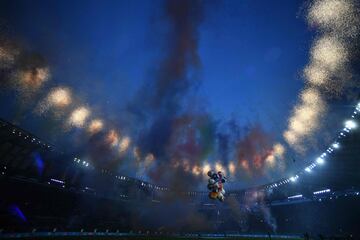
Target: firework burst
124	144
32	79
329	53
78	117
95	126
339	16
112	138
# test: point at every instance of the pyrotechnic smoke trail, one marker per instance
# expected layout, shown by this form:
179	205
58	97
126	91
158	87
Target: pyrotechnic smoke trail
95	126
149	159
78	117
338	23
7	56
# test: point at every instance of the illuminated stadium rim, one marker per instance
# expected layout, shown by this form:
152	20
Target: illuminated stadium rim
350	124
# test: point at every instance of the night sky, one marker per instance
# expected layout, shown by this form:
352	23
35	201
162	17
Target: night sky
243	67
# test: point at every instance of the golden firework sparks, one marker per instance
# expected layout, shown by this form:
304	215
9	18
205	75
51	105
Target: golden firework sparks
124	144
112	138
245	165
232	168
196	170
206	168
34	78
316	75
270	160
95	126
338	16
149	159
78	117
59	97
278	150
307	113
220	167
291	137
297	126
329	53
311	96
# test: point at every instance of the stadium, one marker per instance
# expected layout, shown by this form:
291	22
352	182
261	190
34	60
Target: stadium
89	151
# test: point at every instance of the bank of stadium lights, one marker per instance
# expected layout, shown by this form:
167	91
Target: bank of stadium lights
84	163
320	160
296	196
349	125
294	179
322	191
336	145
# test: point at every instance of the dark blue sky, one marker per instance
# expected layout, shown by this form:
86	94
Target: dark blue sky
251	51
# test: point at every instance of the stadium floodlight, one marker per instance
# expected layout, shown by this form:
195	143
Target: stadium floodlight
307	169
293	179
322	191
336	145
350	124
320	160
296	196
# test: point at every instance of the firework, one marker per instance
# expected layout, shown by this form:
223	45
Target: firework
278	150
270	160
317	75
232	168
297	126
34	78
59	97
112	138
196	170
206	168
78	117
291	137
245	165
95	126
334	15
329	53
307	113
220	167
311	96
149	159
124	144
